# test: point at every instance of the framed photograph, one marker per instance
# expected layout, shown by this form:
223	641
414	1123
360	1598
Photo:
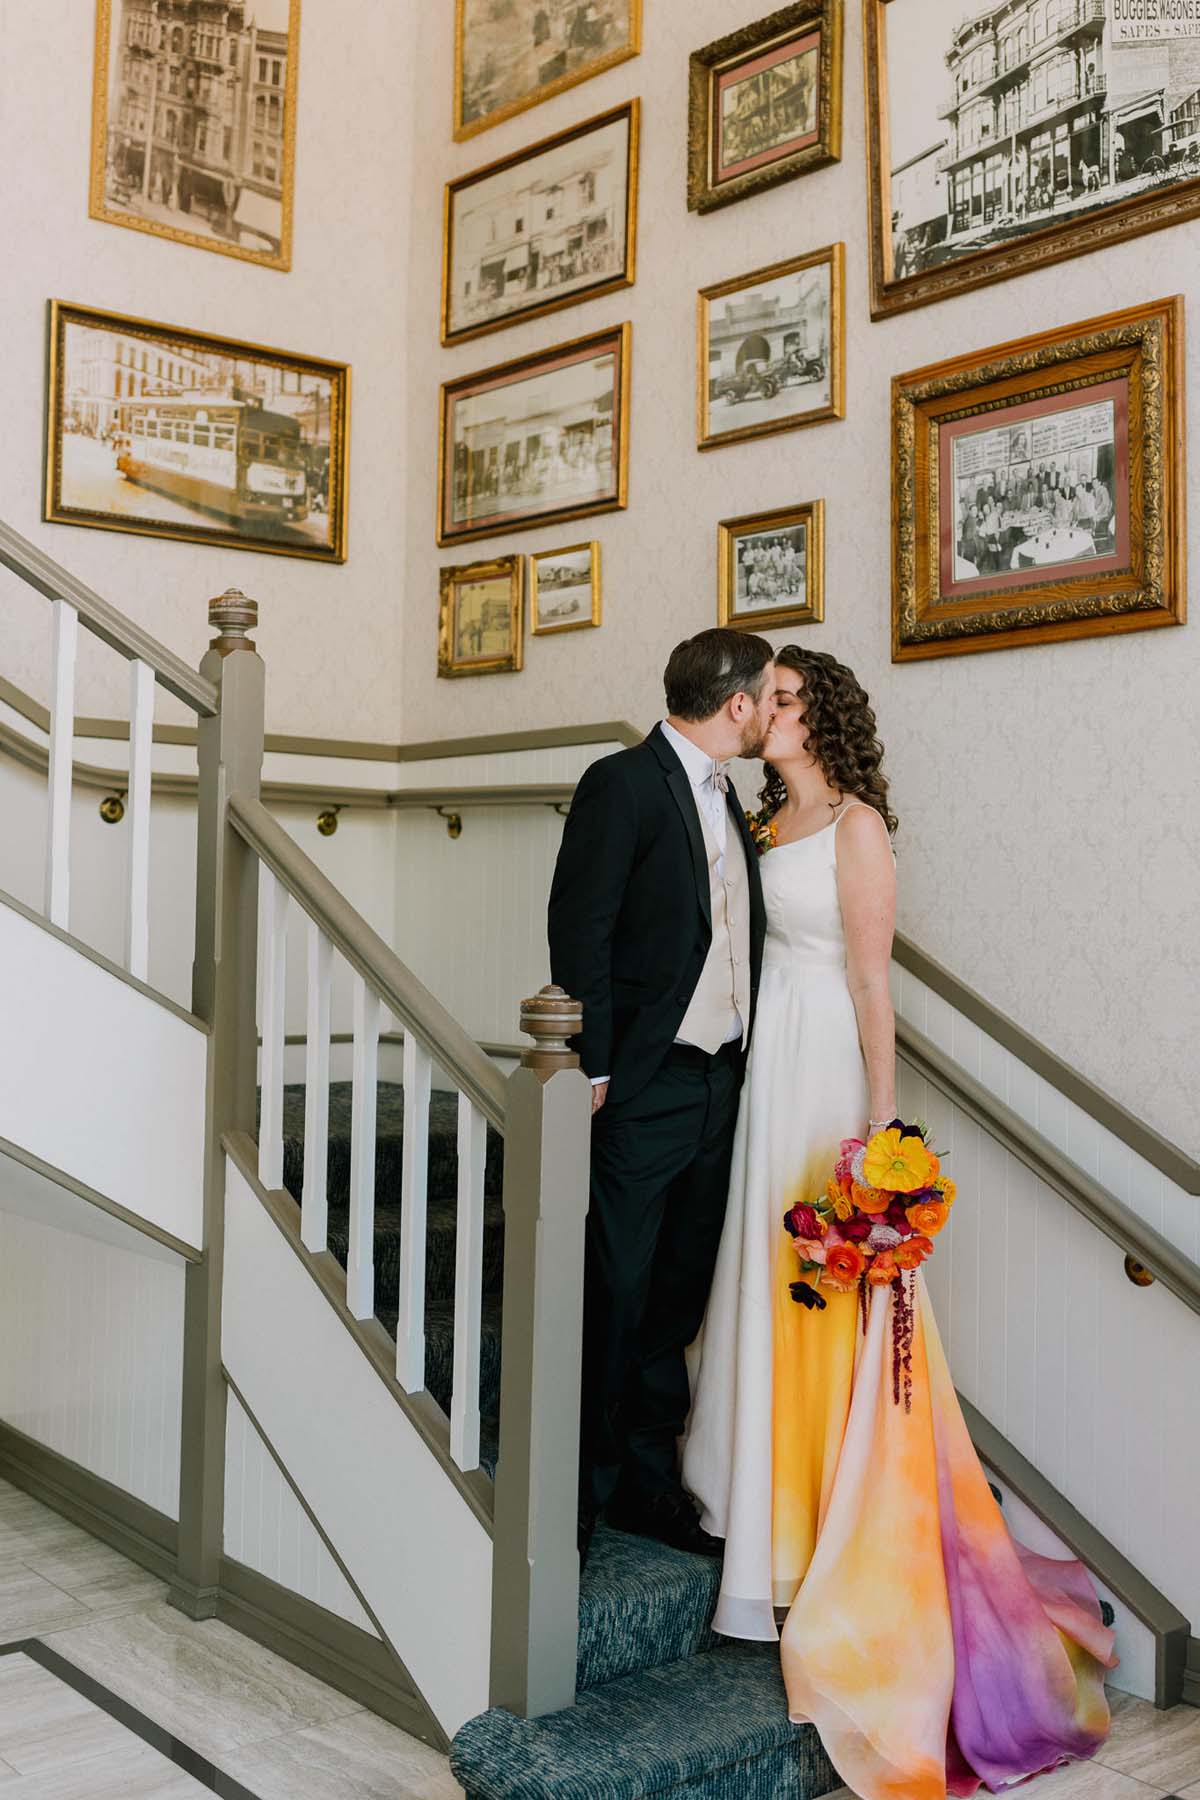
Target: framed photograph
565	590
194	124
771	568
771	349
541	439
765	104
482	618
174	433
1038	488
512	54
1005	137
544	228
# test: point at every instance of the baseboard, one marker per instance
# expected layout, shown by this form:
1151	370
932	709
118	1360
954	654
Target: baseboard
315	1640
336	1652
146	1536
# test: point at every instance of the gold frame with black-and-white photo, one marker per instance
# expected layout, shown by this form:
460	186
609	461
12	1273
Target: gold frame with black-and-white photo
749	364
541	48
556	448
194	129
544	624
749	597
168	432
765	104
555	224
1038	488
496	592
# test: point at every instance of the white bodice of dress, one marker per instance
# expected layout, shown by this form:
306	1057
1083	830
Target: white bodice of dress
804	914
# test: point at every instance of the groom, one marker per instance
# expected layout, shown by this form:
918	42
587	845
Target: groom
657	925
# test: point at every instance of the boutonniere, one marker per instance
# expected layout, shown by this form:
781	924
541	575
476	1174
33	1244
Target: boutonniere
762	830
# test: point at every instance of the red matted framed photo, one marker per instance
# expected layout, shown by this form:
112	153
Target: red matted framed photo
765	104
536	441
1038	488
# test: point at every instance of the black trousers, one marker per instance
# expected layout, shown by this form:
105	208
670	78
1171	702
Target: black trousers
659	1184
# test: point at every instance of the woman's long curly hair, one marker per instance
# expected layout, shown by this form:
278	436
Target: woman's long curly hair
841	732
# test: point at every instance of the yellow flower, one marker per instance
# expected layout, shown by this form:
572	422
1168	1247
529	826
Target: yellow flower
902	1165
946	1189
842	1204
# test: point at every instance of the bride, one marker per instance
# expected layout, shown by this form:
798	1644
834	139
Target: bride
933	1653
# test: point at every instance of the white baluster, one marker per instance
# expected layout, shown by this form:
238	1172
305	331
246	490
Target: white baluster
468	1285
314	1206
410	1327
360	1269
275	902
141	751
62	751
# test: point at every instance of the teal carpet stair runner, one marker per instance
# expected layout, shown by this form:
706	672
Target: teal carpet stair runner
665	1708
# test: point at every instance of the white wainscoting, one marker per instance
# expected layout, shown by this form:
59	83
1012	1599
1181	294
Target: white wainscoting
412	1544
268	1530
81	1054
91	1337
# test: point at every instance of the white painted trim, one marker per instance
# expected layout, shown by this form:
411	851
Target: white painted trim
62	744
273	914
360	1268
137	812
314	1204
414	1200
468	1285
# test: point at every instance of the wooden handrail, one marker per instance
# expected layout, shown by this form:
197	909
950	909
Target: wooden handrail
412	1003
42	573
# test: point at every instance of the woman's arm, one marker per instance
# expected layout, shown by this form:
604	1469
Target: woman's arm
866	874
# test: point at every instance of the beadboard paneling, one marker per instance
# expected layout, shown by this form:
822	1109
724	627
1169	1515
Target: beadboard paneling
91	1344
268	1530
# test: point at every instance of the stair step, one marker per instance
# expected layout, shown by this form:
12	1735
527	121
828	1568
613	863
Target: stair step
389	1143
642	1604
439	1352
441	1243
709	1727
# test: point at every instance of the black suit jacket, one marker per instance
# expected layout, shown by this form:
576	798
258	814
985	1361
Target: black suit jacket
630	916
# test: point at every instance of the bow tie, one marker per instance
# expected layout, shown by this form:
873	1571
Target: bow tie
717	779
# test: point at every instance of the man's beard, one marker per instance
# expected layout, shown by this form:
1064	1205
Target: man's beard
754	739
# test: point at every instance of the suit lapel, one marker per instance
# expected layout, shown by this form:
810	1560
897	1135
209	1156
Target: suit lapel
681	792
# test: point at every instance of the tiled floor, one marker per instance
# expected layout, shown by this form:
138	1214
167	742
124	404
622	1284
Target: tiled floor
278	1732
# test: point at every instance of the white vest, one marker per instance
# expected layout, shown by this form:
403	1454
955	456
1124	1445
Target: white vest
723	989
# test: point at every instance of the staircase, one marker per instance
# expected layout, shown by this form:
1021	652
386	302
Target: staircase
663	1707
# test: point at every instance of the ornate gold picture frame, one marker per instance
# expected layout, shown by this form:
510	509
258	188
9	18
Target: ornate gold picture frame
482	618
771	568
1038	488
1007	137
536	441
507	59
547	227
564	589
771	349
174	433
194	127
765	104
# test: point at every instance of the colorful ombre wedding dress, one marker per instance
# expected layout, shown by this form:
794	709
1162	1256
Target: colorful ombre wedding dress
934	1655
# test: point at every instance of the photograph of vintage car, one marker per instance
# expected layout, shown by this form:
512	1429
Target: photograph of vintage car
769	351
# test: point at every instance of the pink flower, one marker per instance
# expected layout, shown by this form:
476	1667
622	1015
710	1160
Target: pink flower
810	1250
849	1148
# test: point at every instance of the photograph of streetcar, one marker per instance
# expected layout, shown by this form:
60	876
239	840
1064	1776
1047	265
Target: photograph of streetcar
170	433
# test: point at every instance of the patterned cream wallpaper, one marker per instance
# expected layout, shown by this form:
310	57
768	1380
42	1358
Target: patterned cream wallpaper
1050	844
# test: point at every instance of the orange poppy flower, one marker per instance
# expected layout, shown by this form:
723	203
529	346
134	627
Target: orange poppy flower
911	1252
928	1216
884	1269
844	1263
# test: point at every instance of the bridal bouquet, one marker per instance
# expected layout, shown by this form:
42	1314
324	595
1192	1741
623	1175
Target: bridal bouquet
884	1204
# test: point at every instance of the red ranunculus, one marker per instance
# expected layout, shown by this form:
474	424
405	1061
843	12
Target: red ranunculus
803	1222
856	1230
898	1218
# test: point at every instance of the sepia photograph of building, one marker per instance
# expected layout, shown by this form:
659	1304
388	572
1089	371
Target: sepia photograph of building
1030	113
193	135
510	54
769	350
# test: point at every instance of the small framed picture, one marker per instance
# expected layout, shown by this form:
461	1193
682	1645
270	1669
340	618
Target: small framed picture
565	588
550	226
770	349
482	618
765	104
194	124
174	433
771	568
513	54
1038	488
540	439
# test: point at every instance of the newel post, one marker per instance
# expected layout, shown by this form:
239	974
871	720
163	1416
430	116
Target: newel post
223	995
535	1581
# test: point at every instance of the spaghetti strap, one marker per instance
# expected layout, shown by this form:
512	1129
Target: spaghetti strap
849	808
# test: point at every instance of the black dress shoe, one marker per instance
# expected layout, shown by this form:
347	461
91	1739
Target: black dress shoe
670	1517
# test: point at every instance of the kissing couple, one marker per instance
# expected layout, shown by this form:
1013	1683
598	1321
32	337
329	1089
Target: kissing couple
739	1037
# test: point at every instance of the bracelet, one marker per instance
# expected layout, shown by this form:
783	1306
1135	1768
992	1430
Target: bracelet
874	1125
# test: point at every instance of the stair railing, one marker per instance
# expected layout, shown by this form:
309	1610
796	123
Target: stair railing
150	664
252	875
